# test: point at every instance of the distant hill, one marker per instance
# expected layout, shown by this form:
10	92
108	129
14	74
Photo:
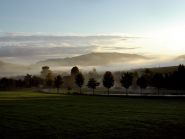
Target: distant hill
182	57
93	59
9	69
162	70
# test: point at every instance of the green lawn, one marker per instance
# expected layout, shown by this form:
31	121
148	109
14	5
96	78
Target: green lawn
39	115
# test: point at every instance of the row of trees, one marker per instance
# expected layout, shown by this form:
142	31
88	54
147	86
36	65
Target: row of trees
174	80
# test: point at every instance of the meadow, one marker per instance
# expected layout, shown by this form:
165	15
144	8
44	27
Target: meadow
28	114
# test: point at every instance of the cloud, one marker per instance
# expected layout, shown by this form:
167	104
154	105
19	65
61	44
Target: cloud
122	48
36	45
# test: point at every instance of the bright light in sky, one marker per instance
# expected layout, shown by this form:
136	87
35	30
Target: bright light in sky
169	40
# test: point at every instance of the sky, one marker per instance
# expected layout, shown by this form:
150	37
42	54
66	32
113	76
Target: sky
59	28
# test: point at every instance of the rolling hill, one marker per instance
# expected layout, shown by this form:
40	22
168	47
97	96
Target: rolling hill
9	69
182	57
93	59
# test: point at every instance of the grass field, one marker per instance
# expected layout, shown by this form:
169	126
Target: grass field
38	115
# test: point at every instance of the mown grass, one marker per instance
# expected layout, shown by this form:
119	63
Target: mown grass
40	115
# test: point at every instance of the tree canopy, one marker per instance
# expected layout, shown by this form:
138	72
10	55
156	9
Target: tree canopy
108	80
126	80
79	80
92	83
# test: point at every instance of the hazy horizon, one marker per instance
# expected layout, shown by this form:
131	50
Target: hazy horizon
31	31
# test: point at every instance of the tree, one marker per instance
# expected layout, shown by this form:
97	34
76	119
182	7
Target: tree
74	71
37	81
92	83
158	81
126	80
148	74
68	82
180	77
19	83
49	80
58	82
28	80
79	80
93	74
142	83
108	80
45	71
7	84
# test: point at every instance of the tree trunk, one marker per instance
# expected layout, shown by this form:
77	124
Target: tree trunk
141	91
108	91
58	90
80	90
68	91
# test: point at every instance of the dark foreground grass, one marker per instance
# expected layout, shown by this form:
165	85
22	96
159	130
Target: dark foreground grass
37	115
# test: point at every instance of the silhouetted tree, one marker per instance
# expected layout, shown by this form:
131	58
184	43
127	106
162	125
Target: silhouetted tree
74	71
158	81
148	74
28	80
170	81
92	83
68	82
126	80
79	80
19	83
93	74
58	82
37	81
108	80
7	84
142	83
45	71
180	76
49	80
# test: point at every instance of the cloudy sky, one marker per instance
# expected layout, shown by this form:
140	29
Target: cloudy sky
32	30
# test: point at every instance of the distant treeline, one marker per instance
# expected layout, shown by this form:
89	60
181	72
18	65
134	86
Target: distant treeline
47	79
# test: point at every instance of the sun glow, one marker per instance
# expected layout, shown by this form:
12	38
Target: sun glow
170	40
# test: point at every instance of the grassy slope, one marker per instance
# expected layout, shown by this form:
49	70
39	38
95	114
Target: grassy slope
36	115
162	70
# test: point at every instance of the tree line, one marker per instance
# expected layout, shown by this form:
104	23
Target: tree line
172	80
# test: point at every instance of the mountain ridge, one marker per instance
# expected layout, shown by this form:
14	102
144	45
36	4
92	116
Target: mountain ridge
93	59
